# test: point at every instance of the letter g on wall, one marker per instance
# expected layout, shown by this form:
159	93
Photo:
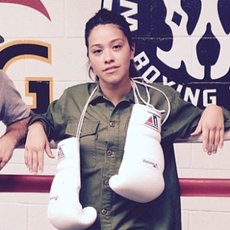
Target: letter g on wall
39	88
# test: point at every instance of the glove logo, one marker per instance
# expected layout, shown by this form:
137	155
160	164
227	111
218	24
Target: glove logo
153	121
61	154
54	198
149	163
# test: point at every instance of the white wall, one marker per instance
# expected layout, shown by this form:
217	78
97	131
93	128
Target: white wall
199	213
28	210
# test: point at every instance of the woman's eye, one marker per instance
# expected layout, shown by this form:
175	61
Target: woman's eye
117	47
97	51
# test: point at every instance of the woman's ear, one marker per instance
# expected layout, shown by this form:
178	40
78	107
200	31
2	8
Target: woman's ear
90	66
133	47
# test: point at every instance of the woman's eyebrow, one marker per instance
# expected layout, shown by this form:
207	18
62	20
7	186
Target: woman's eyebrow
114	40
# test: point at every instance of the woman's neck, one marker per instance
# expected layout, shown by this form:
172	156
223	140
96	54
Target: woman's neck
115	92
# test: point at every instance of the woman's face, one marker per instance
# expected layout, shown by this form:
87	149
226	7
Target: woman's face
110	54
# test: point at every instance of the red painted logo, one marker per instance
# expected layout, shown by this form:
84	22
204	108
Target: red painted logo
35	4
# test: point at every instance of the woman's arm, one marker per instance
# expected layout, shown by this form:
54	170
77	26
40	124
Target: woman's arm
41	130
211	125
36	143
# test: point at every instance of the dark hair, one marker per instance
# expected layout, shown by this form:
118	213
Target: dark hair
103	17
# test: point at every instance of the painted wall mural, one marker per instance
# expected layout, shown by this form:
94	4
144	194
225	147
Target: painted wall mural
39	89
181	43
184	44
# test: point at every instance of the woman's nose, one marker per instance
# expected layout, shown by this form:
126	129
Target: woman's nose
108	56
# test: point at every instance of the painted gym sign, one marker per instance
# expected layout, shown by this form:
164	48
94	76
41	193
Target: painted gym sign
182	43
40	89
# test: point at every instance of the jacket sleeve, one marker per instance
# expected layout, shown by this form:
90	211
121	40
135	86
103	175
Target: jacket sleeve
53	120
183	116
13	108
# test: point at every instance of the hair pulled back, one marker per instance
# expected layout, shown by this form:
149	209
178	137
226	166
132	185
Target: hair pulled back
103	17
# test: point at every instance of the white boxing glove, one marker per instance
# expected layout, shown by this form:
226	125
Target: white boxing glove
64	209
140	176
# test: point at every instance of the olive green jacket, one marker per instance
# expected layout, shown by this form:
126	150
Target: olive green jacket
102	146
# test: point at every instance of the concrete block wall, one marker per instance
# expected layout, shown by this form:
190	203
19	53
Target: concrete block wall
62	27
28	210
199	213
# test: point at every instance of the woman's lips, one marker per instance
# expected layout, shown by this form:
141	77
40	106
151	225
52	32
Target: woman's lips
110	69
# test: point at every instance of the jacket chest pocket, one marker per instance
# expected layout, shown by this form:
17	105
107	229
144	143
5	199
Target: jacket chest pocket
88	138
88	144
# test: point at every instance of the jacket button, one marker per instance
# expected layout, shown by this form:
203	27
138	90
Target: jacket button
103	211
112	124
109	153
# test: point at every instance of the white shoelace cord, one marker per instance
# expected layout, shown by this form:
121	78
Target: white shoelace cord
136	95
78	134
136	91
134	84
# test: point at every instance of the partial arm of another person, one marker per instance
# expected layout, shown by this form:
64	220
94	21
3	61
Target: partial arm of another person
14	113
14	135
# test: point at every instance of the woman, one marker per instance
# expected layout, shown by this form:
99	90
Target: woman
110	50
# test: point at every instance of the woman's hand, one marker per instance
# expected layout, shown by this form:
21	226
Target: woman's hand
36	143
211	125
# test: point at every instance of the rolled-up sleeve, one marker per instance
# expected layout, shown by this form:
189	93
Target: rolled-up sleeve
13	108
